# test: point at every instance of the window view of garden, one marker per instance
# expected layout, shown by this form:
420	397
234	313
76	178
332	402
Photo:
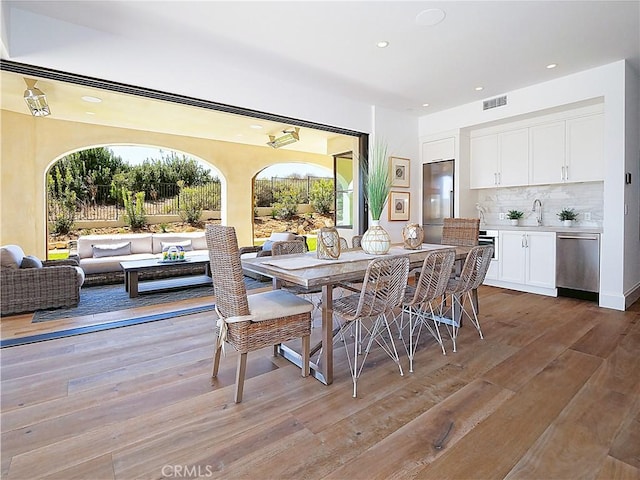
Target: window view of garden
97	191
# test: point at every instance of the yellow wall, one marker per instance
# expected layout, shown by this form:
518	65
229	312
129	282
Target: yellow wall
30	145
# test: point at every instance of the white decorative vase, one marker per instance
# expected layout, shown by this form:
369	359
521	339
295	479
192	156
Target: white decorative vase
376	240
567	223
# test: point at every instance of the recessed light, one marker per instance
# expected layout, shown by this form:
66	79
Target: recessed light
430	17
90	99
256	127
479	89
425	104
552	65
90	113
382	44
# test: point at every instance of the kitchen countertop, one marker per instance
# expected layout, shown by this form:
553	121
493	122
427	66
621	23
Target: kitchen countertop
543	228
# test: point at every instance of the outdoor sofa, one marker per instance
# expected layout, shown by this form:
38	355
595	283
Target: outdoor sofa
100	255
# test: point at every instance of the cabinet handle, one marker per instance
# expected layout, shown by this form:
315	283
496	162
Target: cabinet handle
495	178
566	172
561	173
499	178
523	242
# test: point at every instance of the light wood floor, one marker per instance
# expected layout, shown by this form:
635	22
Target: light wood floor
553	392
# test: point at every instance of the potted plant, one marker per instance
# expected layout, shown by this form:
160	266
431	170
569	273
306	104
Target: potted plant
567	216
377	184
514	216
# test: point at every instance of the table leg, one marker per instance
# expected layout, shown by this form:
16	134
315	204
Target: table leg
327	333
133	283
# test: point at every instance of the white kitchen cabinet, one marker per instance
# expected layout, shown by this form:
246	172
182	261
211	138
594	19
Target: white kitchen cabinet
547	153
585	149
438	150
527	261
500	160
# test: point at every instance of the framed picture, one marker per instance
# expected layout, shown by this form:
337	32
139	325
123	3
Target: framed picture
399	206
399	172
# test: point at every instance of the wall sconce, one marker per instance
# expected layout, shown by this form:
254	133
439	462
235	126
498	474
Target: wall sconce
289	137
35	99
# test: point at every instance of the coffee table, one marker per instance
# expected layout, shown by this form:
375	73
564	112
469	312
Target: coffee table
133	267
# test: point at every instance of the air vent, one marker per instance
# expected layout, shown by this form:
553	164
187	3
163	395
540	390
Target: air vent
494	102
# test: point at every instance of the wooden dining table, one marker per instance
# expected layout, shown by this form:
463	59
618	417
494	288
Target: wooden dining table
306	270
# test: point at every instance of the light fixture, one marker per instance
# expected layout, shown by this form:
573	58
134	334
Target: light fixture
382	44
479	89
90	99
552	65
35	99
289	137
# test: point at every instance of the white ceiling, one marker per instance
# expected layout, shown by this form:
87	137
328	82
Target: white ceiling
499	45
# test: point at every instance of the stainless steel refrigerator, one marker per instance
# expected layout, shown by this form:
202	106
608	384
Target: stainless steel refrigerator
437	198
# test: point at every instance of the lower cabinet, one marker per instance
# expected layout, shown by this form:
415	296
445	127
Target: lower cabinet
527	262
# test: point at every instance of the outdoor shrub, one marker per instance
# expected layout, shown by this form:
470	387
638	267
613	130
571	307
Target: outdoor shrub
321	196
190	205
134	215
286	205
62	202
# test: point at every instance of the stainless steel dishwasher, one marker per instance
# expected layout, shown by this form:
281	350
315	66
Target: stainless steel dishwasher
578	265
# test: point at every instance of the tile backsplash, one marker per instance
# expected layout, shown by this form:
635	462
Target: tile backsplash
584	198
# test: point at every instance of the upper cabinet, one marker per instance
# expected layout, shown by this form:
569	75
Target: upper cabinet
500	159
585	149
437	150
556	150
547	153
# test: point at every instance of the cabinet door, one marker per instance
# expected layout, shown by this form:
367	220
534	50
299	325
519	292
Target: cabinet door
585	149
513	154
484	161
547	153
541	259
512	257
437	150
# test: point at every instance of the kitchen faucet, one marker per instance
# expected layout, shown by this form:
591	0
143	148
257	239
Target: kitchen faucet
537	203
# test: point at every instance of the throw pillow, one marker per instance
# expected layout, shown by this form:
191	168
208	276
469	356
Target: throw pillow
186	245
113	250
266	246
31	261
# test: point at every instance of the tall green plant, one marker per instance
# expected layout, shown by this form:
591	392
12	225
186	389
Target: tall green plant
321	196
135	214
62	202
191	205
377	179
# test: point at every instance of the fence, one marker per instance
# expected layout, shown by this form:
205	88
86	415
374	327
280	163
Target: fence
164	199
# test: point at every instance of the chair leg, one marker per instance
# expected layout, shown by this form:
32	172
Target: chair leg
306	349
240	373
474	310
216	361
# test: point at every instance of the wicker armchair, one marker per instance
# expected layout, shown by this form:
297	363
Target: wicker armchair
251	322
55	285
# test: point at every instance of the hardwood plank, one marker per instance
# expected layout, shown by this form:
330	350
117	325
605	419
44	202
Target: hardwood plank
614	469
100	468
532	409
427	436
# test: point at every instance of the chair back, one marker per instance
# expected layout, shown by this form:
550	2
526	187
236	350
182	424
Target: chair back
434	275
384	284
343	243
356	241
226	271
461	231
287	247
475	267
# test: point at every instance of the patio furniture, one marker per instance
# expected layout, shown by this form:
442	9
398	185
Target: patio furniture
383	289
134	269
251	322
28	284
418	301
356	241
460	289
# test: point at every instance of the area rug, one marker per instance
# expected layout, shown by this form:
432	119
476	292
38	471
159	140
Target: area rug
109	298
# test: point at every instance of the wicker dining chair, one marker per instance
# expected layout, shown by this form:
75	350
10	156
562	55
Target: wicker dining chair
462	232
251	322
356	241
419	300
382	291
344	245
460	289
